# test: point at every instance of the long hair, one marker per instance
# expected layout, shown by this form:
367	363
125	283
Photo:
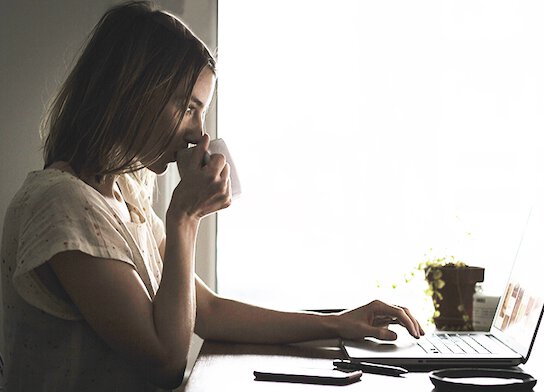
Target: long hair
104	113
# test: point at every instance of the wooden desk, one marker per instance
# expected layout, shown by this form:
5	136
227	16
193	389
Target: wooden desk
229	367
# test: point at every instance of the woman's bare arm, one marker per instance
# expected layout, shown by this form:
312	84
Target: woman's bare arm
228	320
152	334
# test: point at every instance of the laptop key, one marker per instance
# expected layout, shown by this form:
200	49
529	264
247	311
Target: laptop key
426	345
454	348
458	344
487	343
439	344
468	339
464	345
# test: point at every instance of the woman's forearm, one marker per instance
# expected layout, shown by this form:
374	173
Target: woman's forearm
243	323
174	306
227	320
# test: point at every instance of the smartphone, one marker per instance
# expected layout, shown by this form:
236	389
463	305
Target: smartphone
309	376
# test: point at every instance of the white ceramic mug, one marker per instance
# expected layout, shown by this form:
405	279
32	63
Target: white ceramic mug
218	146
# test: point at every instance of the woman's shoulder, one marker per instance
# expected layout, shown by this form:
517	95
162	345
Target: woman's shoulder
54	180
52	185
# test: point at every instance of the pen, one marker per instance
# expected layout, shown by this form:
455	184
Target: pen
370	367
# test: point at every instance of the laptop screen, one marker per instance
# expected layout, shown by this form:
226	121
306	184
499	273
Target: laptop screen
520	308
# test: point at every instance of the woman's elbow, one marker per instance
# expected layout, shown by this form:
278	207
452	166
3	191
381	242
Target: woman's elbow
168	377
164	368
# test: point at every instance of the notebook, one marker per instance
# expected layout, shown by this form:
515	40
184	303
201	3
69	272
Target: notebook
513	331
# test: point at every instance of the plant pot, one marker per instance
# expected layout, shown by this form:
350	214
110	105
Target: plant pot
452	289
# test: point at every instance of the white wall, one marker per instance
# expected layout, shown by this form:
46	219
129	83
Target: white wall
38	41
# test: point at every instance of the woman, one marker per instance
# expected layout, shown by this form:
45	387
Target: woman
99	294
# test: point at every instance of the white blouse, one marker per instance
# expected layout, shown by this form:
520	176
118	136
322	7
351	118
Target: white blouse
49	347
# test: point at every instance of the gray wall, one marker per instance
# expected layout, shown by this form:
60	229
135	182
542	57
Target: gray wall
38	41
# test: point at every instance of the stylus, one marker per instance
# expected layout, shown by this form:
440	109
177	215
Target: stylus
370	367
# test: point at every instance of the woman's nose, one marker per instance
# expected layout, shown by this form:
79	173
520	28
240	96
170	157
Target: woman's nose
200	127
202	124
196	131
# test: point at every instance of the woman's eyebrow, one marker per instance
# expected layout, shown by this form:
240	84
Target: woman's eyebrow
198	102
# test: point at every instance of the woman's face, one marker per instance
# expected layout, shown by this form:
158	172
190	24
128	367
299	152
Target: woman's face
191	129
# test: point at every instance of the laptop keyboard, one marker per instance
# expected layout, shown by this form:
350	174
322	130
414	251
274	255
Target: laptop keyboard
452	343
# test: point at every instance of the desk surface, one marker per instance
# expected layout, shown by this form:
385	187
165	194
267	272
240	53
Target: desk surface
224	366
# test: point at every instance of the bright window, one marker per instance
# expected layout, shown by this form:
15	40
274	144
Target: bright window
366	133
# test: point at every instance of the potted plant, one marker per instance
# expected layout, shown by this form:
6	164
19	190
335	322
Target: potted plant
451	287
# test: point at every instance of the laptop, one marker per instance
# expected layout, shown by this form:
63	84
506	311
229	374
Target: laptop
513	331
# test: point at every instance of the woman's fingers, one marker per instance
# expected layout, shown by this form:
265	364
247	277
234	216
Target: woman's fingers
382	321
225	178
414	320
373	319
205	187
200	152
192	159
224	192
381	333
394	312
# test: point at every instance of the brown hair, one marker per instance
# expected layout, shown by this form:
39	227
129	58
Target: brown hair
103	115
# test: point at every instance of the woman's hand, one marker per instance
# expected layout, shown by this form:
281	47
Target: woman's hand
373	319
204	189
